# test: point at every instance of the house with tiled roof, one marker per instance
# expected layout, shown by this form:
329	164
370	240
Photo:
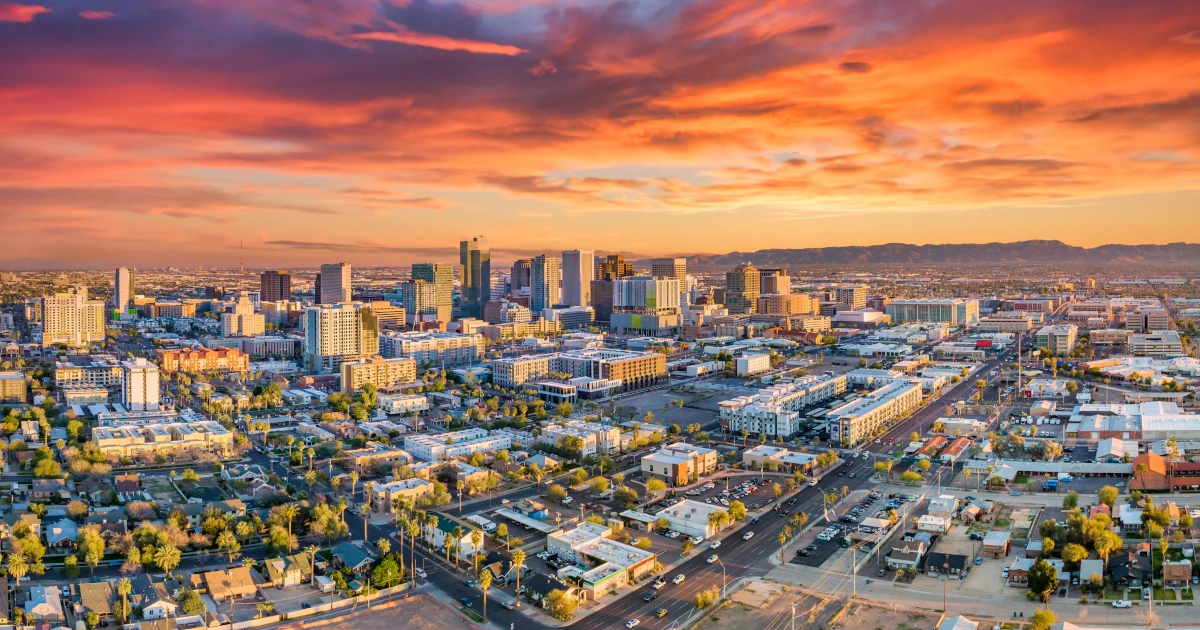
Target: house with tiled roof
153	598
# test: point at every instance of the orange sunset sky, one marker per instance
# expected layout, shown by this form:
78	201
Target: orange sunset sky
163	132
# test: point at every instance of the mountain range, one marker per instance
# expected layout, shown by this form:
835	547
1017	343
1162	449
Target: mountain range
966	253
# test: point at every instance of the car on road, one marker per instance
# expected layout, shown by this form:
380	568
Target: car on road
421	574
632	623
306	605
469	583
504	501
650	596
659	583
754	521
466	602
678	579
716	543
747	535
978	561
712	558
1014	493
661	612
696	540
1122	603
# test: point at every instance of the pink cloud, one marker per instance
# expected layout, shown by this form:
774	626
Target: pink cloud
90	14
440	42
24	13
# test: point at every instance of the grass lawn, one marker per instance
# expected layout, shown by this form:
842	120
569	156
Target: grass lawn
1003	522
1187	594
1109	594
1164	595
468	612
1020	535
1021	480
1175	555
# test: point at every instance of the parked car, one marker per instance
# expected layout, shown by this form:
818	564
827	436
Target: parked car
1122	603
466	602
716	543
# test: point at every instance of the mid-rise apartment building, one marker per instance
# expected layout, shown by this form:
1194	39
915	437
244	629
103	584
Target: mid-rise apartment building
162	439
1059	339
384	495
953	311
544	280
680	463
219	359
139	385
597	439
99	370
786	304
1010	322
432	348
634	370
670	268
774	411
70	318
513	372
859	420
505	312
1110	337
383	373
742	289
12	387
275	285
443	446
852	298
334	333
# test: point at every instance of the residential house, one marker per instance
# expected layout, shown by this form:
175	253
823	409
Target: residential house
355	556
543	461
243	472
1130	569
945	506
1091	568
128	486
1177	573
531	509
930	523
233	583
539	587
45	604
996	544
906	555
109	522
446	526
95	491
1018	572
1129	517
951	564
8	523
501	567
153	598
61	534
48	489
95	597
260	489
1033	548
287	571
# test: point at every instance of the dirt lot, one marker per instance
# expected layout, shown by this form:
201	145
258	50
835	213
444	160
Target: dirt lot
815	613
415	613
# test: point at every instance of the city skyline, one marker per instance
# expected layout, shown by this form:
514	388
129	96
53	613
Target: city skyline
384	132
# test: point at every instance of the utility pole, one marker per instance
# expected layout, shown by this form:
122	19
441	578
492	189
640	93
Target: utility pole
793	617
854	572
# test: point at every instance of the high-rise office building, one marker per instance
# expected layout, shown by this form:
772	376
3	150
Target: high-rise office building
613	267
419	299
123	290
520	276
334	283
852	297
441	276
544	278
742	290
602	299
334	333
70	318
275	285
139	385
646	294
578	270
670	268
776	285
476	259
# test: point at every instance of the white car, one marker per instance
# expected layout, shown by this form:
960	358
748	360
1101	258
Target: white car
716	543
747	535
712	558
678	579
696	540
1122	603
632	623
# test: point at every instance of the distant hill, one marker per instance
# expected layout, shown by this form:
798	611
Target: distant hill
901	253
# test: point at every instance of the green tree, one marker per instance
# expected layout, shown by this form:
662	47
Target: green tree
1071	500
124	587
1108	495
1073	553
167	558
1042	579
190	602
737	510
70	569
18	567
1042	619
560	605
518	564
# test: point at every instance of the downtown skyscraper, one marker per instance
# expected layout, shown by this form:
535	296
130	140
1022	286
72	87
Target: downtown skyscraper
544	278
476	259
441	276
123	290
578	271
333	284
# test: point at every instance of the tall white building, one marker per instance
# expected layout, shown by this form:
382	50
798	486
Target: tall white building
243	322
441	276
335	283
544	278
670	268
122	290
578	271
335	333
645	293
434	348
70	318
139	385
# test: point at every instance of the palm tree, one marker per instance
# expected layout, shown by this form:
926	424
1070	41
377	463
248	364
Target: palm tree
310	478
353	482
290	511
459	485
477	544
367	488
458	536
167	558
341	504
485	582
124	587
783	539
1139	471
518	563
413	530
17	567
312	550
311	452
